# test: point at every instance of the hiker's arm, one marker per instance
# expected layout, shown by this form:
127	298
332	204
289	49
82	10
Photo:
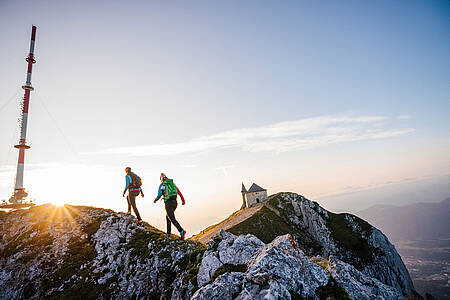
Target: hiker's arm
159	193
181	195
126	186
142	193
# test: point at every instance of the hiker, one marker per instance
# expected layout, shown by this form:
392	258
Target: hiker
170	192
133	185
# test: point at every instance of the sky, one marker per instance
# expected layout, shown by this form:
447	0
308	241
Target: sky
321	98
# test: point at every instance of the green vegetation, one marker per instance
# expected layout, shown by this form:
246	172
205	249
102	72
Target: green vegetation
295	295
267	225
80	252
15	244
321	262
164	254
140	240
308	244
24	240
28	291
191	262
74	271
349	240
216	240
38	243
93	227
226	268
81	290
332	291
264	224
341	231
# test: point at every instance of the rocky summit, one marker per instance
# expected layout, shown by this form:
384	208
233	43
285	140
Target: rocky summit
322	233
289	248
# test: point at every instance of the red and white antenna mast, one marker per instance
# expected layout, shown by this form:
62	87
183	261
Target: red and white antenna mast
19	191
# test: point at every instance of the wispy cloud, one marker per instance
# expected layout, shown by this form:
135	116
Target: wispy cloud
404	117
224	169
279	137
189	166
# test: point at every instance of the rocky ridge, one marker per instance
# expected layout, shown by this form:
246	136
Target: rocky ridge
325	234
280	270
65	252
71	252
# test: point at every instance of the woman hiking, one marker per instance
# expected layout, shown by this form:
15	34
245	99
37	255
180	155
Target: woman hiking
170	192
133	185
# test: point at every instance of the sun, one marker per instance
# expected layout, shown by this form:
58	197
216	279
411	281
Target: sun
58	201
56	184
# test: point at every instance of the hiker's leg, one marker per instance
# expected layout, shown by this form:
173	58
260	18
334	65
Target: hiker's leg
172	204
128	201
133	203
169	225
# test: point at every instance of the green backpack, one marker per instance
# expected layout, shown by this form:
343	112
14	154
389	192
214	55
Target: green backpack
170	189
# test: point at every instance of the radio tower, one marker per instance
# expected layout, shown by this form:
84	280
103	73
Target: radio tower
19	195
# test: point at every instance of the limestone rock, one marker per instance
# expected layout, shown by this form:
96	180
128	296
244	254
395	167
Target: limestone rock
226	248
282	261
360	286
336	234
225	287
85	252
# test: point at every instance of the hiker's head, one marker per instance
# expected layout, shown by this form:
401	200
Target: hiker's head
127	170
162	177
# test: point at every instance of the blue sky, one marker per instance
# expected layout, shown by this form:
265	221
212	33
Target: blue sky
306	96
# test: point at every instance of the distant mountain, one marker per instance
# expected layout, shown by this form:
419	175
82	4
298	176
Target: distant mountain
408	191
418	221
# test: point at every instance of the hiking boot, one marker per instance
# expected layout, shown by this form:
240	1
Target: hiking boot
139	222
182	234
168	235
128	212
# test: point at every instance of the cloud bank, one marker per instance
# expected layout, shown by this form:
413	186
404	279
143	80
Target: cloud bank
280	137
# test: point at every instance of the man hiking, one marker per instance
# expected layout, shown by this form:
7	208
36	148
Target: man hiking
169	190
133	185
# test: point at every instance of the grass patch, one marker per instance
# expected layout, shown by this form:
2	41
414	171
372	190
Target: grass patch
321	262
164	254
23	240
35	246
216	241
82	290
15	244
354	242
306	242
349	240
191	262
227	268
140	240
267	225
295	295
332	291
29	291
80	252
93	227
264	224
